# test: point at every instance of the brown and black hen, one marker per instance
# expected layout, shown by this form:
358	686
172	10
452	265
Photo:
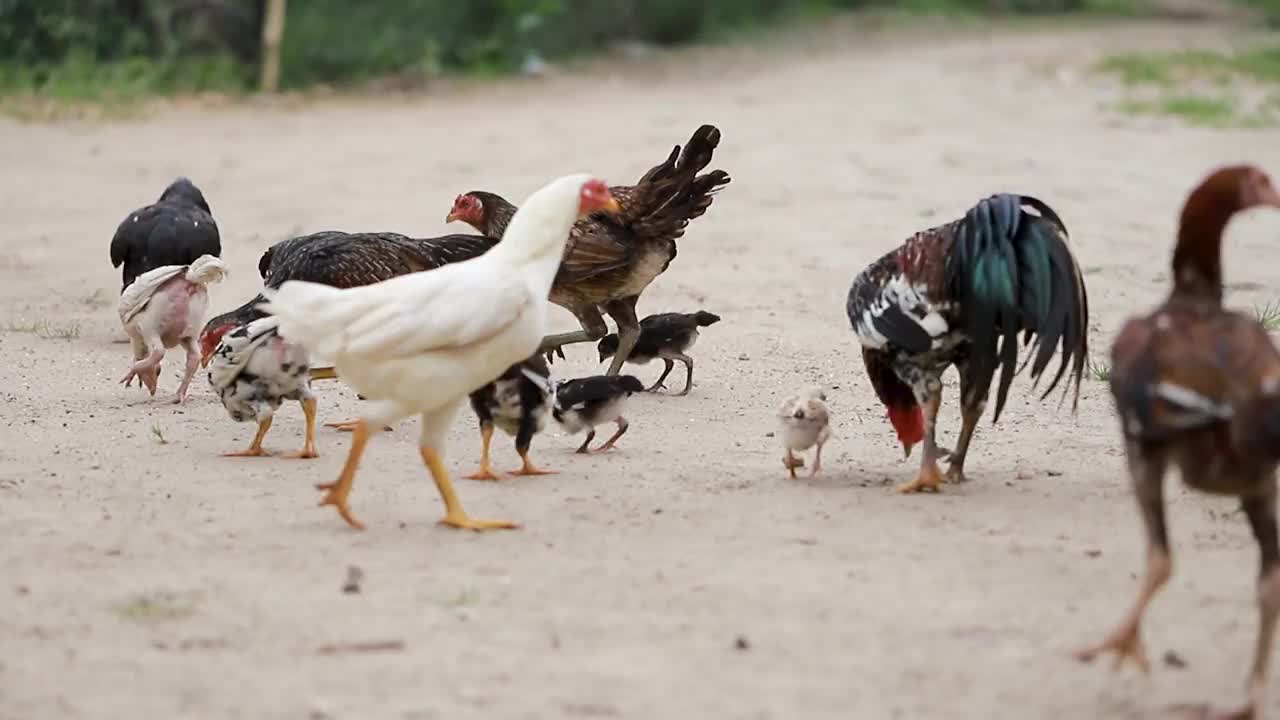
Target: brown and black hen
611	259
1197	387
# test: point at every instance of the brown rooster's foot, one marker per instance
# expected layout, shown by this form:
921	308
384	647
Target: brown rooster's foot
466	522
484	473
929	479
338	499
955	474
306	453
1126	643
250	452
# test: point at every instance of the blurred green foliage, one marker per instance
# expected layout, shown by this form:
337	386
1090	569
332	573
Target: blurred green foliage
122	48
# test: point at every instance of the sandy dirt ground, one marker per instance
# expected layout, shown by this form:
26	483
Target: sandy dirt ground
682	576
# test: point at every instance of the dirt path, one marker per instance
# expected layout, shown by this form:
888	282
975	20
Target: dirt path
637	572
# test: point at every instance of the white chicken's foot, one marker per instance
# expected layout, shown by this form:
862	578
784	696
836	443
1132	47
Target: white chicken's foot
455	516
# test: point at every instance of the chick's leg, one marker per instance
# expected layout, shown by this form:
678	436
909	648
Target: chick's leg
929	477
817	460
791	462
255	448
688	373
582	449
665	372
623	313
308	450
341	488
524	436
486	471
1126	640
455	516
608	444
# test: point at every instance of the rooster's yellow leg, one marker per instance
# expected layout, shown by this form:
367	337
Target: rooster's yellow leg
455	516
929	477
255	448
309	445
339	490
486	470
528	468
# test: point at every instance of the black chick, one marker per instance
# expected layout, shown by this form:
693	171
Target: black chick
666	336
517	402
175	230
583	403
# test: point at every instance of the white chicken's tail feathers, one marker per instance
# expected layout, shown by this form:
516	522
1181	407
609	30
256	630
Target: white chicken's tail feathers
206	269
307	312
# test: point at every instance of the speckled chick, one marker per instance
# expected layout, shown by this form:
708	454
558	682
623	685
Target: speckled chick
804	423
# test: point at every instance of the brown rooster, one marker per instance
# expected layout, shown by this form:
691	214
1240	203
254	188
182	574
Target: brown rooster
1197	387
611	259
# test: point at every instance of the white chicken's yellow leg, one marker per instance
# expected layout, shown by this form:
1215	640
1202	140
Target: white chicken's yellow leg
309	444
486	470
340	489
455	516
255	448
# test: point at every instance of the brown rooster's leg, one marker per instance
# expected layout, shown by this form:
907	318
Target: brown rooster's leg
970	415
1126	640
308	450
341	488
623	313
528	468
1261	512
929	477
593	328
608	444
455	516
582	449
255	448
665	372
486	470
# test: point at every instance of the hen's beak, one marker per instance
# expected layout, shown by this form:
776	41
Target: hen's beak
205	358
612	206
451	217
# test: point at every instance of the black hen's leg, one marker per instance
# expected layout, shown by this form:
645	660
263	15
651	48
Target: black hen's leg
623	313
971	409
593	328
1146	469
665	372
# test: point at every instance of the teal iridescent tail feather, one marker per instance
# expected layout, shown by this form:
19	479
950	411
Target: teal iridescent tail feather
1011	270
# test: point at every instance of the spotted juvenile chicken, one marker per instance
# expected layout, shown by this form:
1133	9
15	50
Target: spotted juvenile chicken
517	402
805	423
254	370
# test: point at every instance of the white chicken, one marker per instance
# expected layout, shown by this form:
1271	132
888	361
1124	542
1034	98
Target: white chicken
805	422
164	308
420	343
254	370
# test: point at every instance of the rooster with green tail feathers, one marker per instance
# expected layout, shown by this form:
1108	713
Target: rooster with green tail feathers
960	294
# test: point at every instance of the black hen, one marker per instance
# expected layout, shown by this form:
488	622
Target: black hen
517	402
583	403
665	335
959	294
175	230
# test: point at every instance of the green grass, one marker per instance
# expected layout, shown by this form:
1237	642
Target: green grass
157	432
156	606
44	328
1204	88
1268	316
1099	371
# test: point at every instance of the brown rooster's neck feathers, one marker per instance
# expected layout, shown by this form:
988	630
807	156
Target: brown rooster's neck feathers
1197	258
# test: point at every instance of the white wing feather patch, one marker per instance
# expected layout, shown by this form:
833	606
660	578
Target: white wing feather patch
910	300
1202	409
135	297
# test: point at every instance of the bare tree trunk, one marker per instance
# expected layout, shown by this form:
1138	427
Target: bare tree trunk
272	35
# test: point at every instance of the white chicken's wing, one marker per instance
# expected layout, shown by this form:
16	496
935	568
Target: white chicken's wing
450	307
135	297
